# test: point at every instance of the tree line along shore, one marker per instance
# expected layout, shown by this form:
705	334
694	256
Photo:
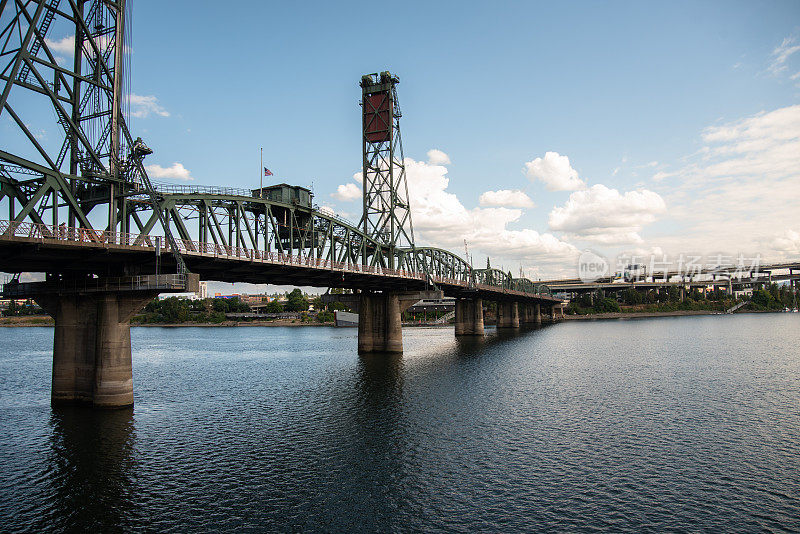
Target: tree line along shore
669	301
303	310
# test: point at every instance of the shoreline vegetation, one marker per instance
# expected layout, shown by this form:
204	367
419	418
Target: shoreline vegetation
671	301
38	320
300	310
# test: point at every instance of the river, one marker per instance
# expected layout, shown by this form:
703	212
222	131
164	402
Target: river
664	424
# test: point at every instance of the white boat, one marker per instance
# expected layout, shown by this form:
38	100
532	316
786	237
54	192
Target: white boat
343	318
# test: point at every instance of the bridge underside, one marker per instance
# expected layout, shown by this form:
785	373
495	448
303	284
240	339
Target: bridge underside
122	260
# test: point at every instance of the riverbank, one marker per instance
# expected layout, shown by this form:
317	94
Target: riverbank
29	321
677	313
632	315
38	320
48	321
236	323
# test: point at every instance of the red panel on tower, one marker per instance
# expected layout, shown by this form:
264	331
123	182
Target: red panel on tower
378	117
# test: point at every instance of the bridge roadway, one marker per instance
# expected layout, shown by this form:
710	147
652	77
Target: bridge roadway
37	248
723	271
586	287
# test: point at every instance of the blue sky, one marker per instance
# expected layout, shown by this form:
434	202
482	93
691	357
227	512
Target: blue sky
680	120
493	86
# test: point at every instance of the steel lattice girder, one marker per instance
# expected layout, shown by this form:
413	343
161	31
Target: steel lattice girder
386	212
87	99
83	98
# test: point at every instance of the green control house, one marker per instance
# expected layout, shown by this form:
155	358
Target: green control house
288	194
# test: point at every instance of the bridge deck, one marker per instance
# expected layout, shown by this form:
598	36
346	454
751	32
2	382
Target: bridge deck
38	248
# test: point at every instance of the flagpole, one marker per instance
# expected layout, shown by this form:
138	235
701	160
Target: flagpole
261	175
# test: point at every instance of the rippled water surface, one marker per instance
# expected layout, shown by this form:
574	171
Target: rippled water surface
678	424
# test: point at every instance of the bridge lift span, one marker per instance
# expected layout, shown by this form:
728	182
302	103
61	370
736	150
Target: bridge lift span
84	212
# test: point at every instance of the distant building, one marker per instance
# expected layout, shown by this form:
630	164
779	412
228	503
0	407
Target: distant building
745	292
202	292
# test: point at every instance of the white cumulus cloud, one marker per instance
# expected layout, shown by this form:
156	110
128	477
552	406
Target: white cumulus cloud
144	106
347	192
555	172
327	210
440	219
604	215
788	243
437	157
65	45
506	198
741	186
175	172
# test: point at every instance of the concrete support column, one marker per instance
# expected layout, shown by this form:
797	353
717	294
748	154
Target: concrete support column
379	323
74	339
524	313
537	314
507	315
92	347
469	317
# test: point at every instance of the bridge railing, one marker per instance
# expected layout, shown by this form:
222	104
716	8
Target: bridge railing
62	233
164	282
179	189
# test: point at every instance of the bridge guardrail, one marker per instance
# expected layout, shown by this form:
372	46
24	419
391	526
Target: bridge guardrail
121	283
44	232
201	189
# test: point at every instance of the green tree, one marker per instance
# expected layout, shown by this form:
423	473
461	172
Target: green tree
296	301
274	307
674	294
174	310
220	305
12	309
605	305
763	299
631	296
697	295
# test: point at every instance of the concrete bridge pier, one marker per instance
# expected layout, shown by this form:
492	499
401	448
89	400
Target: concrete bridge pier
469	317
92	336
537	314
380	318
529	313
379	323
507	315
92	347
524	313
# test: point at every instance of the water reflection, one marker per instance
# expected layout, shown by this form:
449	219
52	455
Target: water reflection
379	443
91	465
580	425
468	346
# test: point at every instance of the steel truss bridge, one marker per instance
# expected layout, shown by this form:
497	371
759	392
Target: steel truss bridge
82	209
93	182
40	246
215	224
